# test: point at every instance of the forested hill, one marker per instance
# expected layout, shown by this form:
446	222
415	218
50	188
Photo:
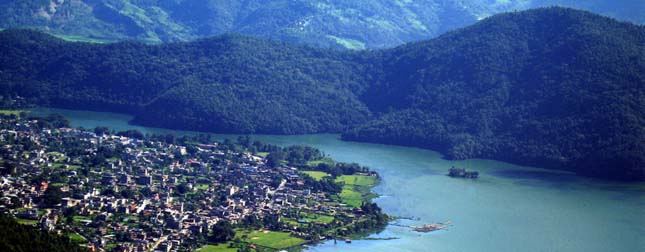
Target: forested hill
341	23
228	83
552	87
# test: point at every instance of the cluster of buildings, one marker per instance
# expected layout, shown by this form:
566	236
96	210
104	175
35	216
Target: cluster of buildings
126	194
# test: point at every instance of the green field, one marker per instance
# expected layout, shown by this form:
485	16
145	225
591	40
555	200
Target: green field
76	238
26	221
358	180
111	246
348	43
271	239
316	175
202	187
356	189
11	111
78	219
326	219
351	197
326	160
217	248
74	38
262	154
309	218
62	165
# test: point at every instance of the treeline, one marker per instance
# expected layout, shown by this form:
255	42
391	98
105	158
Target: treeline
552	87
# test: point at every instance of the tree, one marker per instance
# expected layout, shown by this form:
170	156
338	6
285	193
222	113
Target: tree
170	138
182	188
100	130
52	196
128	193
131	133
8	168
18	237
275	158
222	232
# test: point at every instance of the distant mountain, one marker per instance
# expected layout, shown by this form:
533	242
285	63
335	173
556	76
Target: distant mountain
327	23
552	87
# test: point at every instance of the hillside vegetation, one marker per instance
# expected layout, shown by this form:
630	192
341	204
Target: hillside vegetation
17	237
551	87
329	23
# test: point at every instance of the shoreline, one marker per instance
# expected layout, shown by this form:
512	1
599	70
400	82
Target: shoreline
340	135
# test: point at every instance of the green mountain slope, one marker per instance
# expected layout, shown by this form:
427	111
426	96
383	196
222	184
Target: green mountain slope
549	87
329	23
552	87
228	83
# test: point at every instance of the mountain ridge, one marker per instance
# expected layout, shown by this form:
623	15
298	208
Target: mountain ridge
552	87
327	23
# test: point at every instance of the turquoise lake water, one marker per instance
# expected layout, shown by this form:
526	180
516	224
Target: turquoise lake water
509	208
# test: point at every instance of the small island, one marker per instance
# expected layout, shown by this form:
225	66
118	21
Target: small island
462	173
126	191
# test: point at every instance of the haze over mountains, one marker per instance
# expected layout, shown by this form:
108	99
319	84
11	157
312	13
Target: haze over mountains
327	23
553	87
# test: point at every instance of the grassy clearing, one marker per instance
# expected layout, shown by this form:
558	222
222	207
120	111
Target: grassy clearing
326	219
111	246
26	221
58	165
271	239
203	187
348	43
306	218
356	189
326	160
76	238
12	111
217	248
358	180
351	197
78	219
290	221
62	166
75	38
316	175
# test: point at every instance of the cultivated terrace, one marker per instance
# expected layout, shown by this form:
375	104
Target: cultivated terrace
127	191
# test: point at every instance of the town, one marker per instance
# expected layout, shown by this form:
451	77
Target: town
125	191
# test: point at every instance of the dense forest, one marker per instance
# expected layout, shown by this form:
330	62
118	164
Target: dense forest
353	24
553	87
22	238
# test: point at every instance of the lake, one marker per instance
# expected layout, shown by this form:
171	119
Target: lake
509	208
